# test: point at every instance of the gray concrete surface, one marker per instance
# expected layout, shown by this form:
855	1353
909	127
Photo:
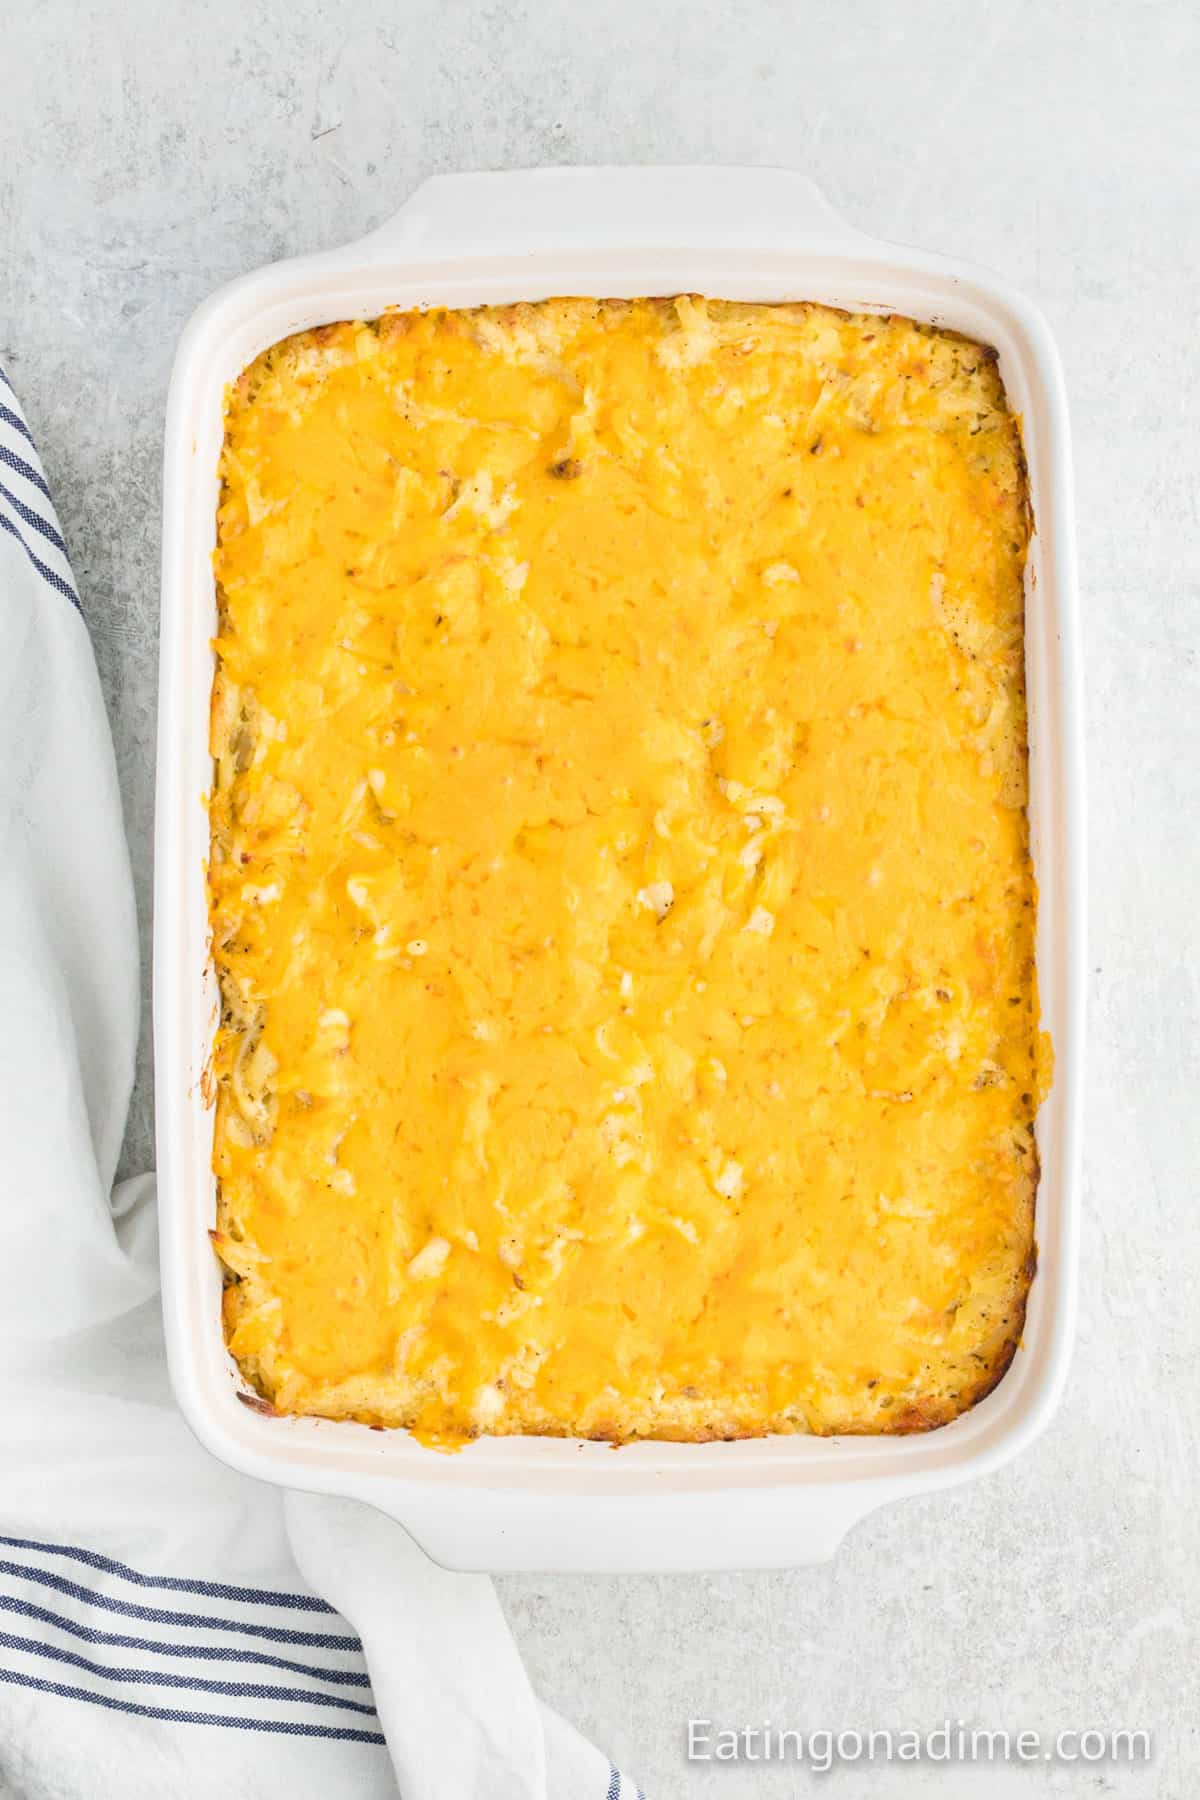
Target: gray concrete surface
150	151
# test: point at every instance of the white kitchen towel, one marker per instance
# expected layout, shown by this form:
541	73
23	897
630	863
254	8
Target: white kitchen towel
157	1637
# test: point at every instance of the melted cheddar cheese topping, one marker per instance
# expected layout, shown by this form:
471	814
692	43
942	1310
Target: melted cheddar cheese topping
620	882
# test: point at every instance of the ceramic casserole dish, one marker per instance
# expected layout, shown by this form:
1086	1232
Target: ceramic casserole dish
556	1504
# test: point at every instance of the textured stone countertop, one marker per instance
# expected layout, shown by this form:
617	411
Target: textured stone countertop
150	152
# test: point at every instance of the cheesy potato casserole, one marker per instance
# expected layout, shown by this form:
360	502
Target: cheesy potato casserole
620	881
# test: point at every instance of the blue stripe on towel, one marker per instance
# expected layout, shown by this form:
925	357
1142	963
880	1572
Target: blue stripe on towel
14	512
616	1785
261	1692
232	1653
155	1615
8	417
34	520
19	466
210	1590
289	1727
47	573
232	1690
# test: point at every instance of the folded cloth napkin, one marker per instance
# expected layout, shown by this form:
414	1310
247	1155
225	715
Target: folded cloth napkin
160	1633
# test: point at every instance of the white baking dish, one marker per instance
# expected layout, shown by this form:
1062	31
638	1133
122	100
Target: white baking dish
534	1503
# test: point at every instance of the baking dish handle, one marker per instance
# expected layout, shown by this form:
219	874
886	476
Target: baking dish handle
686	1530
529	210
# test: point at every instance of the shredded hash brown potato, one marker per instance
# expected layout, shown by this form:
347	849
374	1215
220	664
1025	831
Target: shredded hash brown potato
620	882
